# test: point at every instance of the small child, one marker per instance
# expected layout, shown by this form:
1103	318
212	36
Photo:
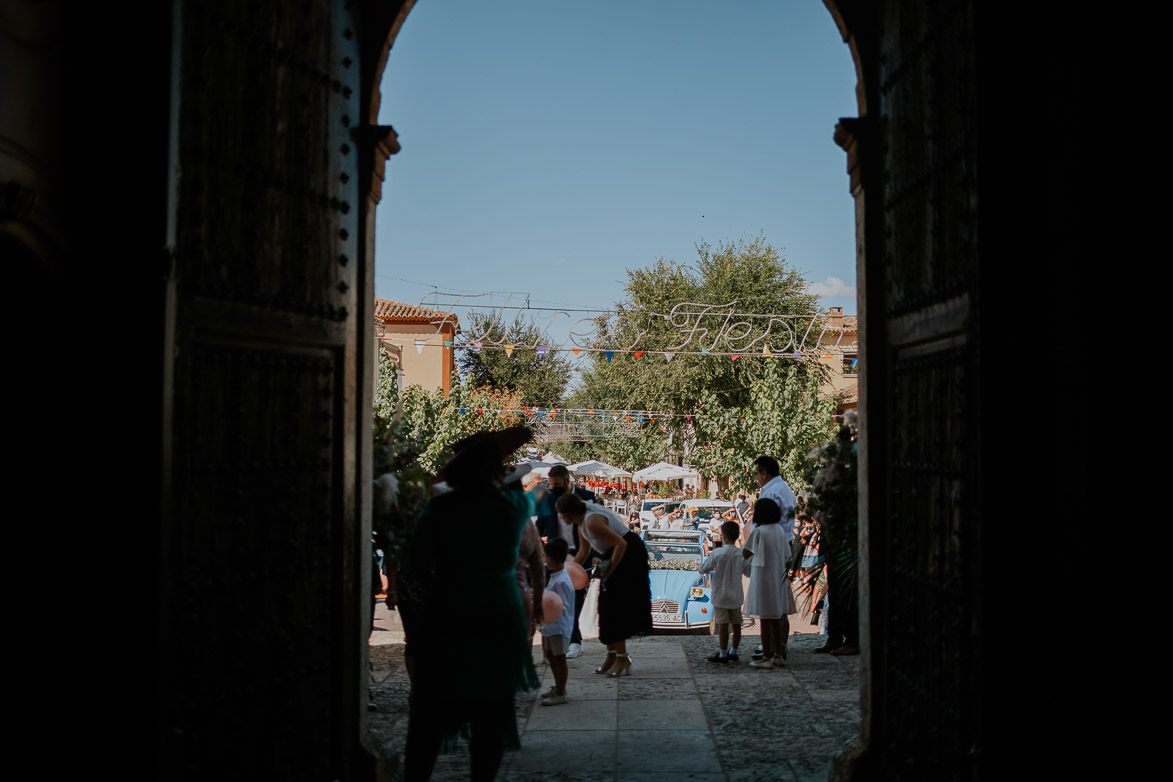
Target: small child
556	635
728	566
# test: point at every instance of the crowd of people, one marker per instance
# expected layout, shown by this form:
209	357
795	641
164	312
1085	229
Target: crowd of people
498	555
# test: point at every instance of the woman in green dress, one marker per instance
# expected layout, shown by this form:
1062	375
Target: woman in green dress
476	655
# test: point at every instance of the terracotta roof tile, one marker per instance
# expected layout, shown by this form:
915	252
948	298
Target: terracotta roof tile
849	323
387	310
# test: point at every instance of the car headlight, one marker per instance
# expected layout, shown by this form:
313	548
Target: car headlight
697	592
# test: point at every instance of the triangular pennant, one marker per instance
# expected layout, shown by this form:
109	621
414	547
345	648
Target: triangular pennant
735	356
766	350
419	346
447	343
541	415
478	345
508	349
609	354
541	350
638	353
668	356
704	350
462	411
797	354
576	351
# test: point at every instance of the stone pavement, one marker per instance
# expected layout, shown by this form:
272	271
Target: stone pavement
677	717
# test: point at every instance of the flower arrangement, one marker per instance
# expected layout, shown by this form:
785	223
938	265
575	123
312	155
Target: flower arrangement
673	564
833	475
401	491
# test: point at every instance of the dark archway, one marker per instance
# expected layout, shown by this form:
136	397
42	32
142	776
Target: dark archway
990	149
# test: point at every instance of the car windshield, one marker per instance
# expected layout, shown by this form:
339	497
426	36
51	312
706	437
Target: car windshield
674	556
708	512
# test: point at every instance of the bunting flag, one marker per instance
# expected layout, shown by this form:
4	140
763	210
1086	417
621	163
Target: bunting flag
576	351
419	346
508	350
766	350
478	345
541	350
797	354
638	353
704	350
668	356
609	354
447	343
735	356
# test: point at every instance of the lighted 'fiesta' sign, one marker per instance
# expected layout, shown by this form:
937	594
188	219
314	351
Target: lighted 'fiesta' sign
688	329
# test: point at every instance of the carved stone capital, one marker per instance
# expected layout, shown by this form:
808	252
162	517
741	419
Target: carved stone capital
848	133
381	141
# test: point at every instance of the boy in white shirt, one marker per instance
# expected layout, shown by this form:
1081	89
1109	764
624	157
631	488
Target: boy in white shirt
727	566
556	635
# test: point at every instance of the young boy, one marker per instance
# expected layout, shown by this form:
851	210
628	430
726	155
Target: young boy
727	566
556	635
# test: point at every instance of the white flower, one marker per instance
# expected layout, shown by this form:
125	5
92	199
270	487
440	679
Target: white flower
386	493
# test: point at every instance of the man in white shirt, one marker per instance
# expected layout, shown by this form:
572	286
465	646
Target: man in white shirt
767	474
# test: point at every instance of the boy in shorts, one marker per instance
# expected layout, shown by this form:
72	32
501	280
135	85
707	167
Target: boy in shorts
727	566
556	634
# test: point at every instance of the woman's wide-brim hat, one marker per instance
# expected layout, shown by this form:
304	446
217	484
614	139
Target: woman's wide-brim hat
483	453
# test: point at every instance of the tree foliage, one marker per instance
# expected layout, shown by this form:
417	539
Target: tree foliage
753	406
539	379
429	422
783	417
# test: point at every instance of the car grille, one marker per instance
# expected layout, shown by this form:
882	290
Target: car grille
665	607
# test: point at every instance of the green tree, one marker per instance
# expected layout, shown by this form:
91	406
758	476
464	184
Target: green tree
427	423
540	378
751	277
784	417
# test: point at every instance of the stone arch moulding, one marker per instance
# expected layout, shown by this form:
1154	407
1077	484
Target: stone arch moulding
856	23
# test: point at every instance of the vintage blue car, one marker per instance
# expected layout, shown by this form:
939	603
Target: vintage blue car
680	594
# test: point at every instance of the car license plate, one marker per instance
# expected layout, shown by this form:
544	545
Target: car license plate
667	619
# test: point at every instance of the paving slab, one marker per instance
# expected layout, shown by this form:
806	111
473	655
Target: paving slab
664	751
677	717
663	715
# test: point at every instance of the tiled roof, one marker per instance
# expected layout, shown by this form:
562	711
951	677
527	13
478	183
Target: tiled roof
386	310
849	323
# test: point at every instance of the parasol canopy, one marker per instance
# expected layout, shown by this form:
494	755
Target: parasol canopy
662	471
598	469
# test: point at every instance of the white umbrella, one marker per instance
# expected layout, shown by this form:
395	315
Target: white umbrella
598	469
662	471
553	458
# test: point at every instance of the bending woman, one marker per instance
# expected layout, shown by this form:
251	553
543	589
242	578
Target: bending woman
625	595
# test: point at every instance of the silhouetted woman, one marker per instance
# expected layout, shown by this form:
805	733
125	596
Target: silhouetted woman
466	549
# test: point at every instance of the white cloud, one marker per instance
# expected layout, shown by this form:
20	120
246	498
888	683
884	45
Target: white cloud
833	286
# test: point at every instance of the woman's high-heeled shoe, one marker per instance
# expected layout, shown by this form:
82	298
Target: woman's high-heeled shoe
624	671
606	666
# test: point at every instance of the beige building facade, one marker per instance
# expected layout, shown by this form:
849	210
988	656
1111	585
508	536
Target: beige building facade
839	352
421	340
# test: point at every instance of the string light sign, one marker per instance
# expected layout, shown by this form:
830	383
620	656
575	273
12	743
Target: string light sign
562	424
689	328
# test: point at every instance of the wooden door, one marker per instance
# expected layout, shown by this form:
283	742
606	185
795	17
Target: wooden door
262	553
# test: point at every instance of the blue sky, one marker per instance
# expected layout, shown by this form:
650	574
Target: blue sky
548	146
